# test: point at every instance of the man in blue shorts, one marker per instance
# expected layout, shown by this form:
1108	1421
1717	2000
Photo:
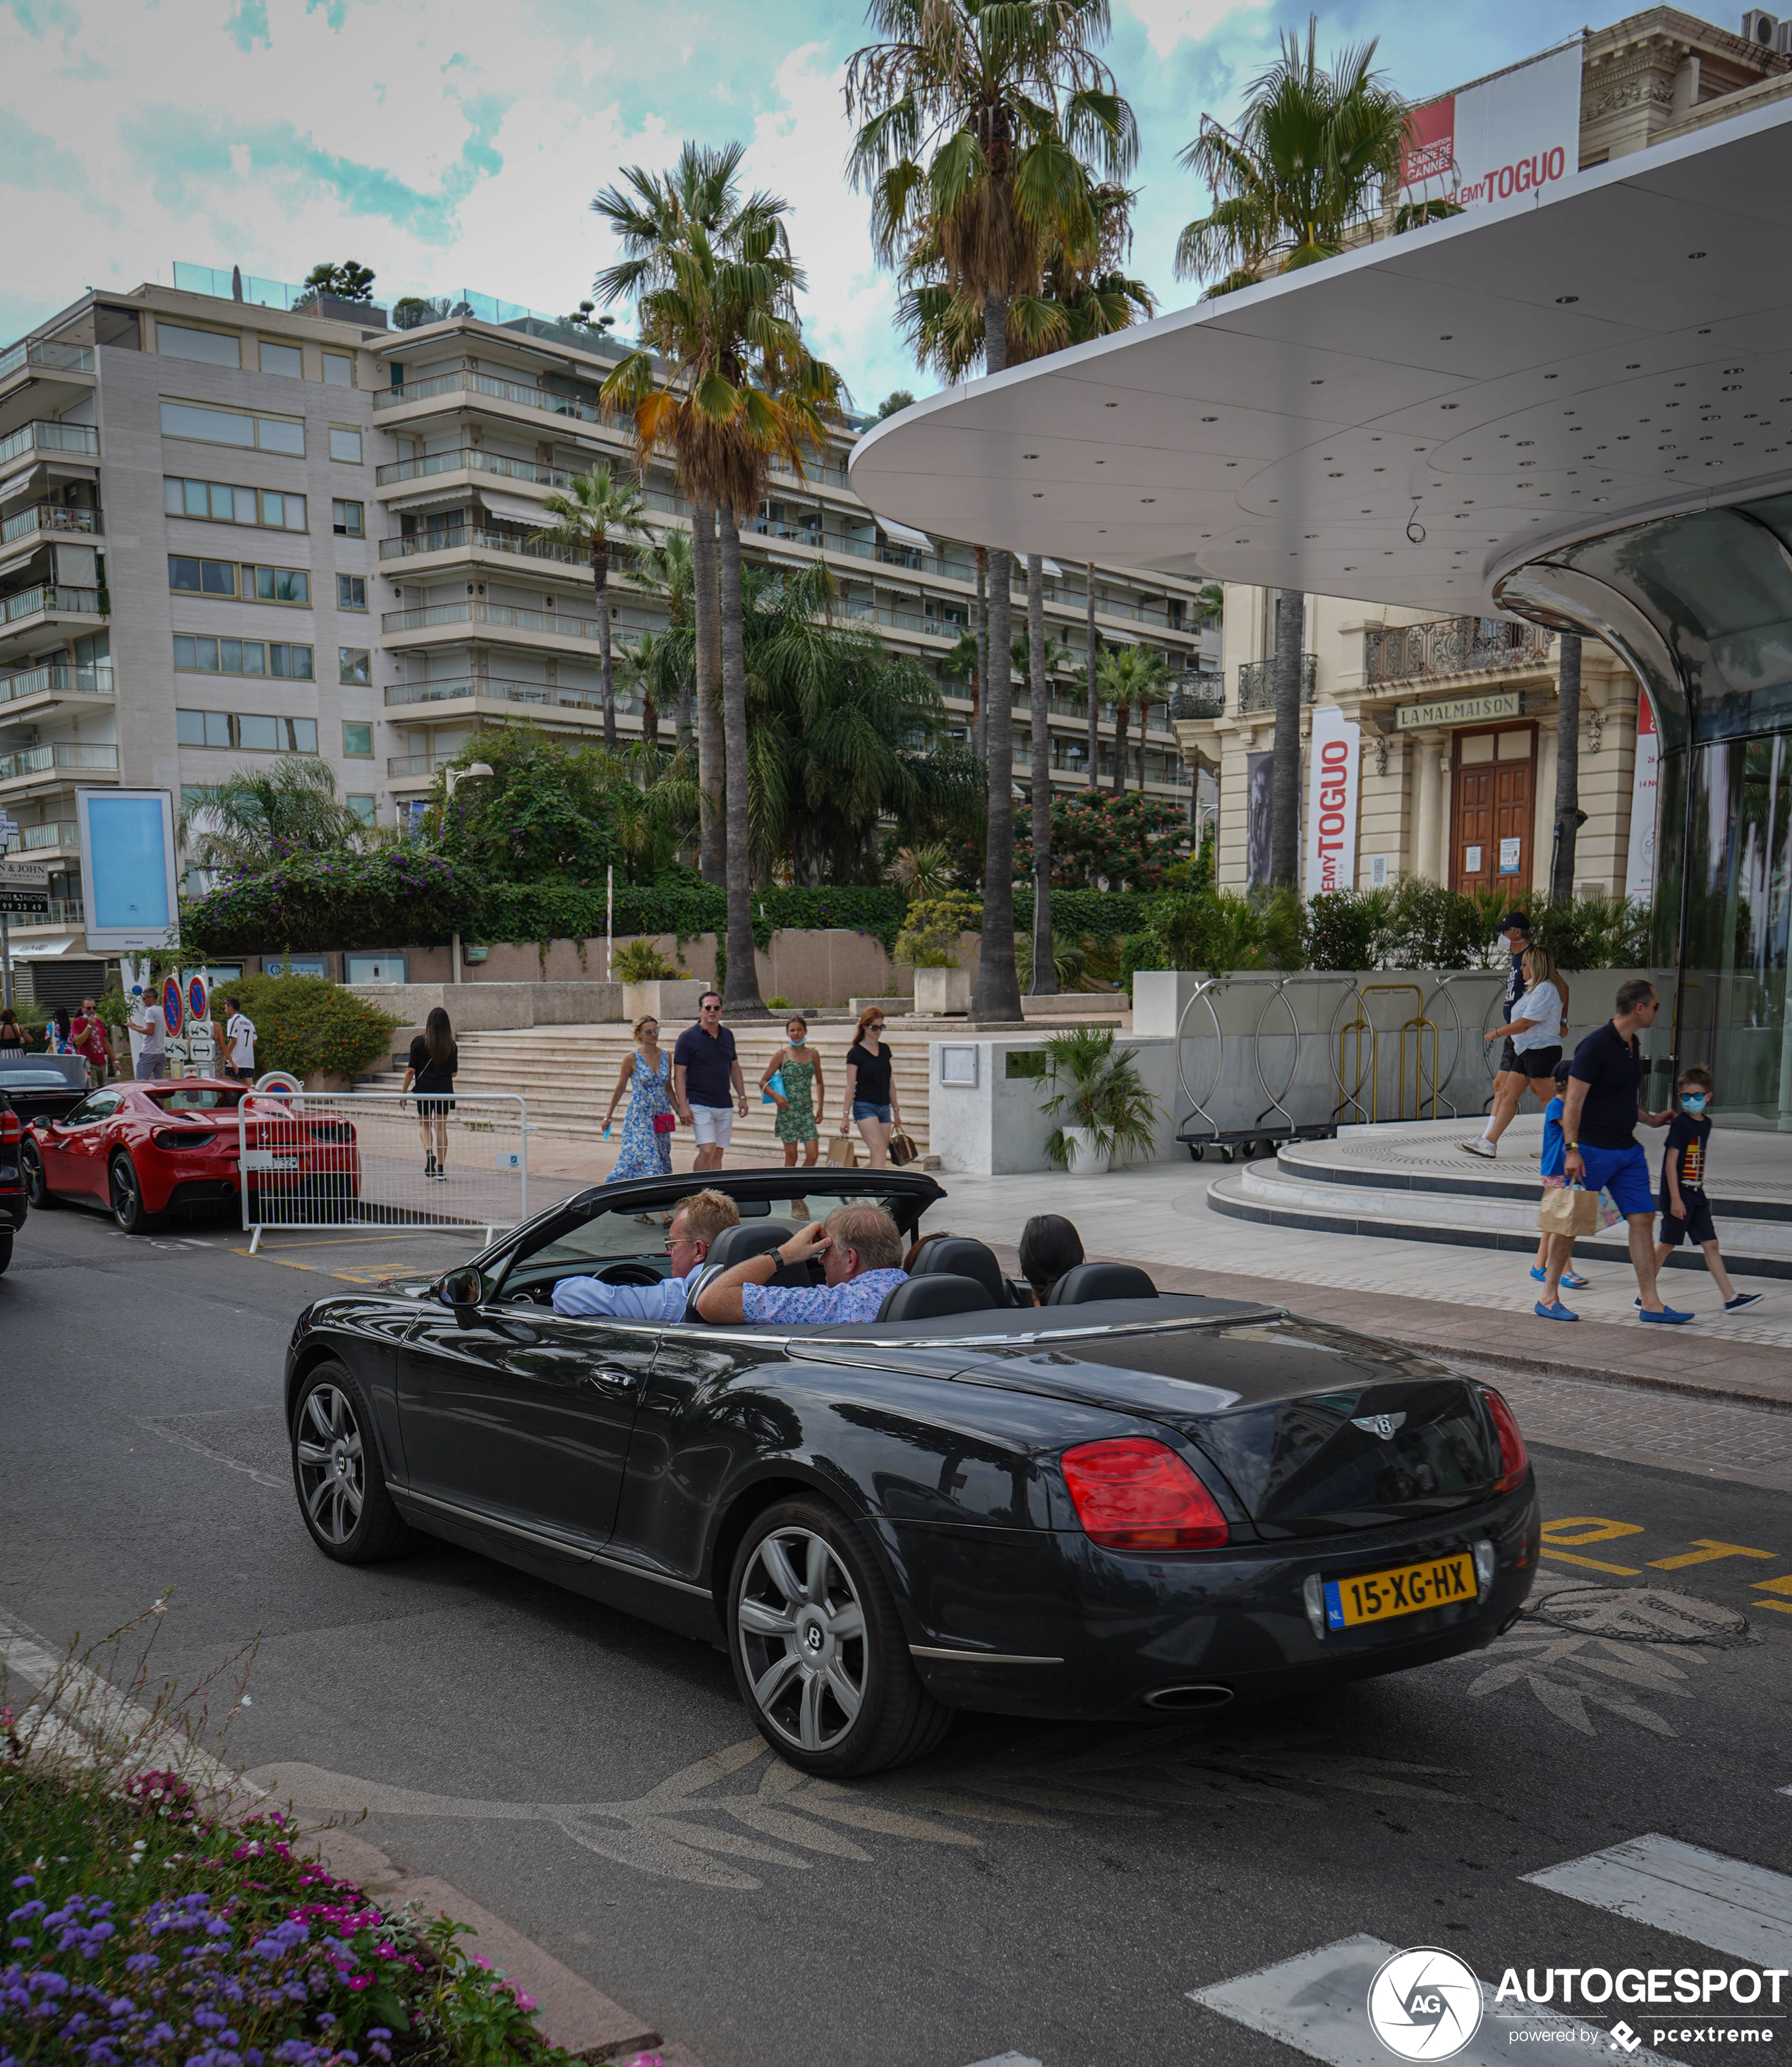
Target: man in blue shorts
1599	1126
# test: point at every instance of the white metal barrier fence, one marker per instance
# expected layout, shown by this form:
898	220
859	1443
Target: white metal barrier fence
381	1160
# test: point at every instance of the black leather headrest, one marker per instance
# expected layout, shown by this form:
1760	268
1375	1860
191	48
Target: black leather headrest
920	1298
735	1245
1101	1281
957	1255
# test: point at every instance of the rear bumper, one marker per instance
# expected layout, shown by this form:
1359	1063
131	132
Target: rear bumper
1087	1634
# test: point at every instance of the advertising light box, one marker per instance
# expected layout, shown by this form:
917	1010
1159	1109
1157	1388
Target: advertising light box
127	869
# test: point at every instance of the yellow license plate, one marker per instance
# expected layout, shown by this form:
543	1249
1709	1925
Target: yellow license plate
1378	1596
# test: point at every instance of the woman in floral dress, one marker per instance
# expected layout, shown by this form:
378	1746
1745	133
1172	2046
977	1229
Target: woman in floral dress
799	1066
646	1076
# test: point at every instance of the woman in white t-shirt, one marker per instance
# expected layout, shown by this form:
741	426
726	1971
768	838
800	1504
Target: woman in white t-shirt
1533	1038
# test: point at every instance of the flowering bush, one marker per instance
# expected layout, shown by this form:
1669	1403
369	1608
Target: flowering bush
397	896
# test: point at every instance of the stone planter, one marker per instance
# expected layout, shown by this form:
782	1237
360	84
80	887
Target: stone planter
1085	1161
673	1002
941	990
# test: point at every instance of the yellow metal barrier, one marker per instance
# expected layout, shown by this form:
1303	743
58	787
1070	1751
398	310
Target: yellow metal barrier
1417	1026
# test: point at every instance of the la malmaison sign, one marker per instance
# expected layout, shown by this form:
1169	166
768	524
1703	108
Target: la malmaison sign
1461	710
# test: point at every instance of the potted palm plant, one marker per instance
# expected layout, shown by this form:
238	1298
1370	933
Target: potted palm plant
1104	1112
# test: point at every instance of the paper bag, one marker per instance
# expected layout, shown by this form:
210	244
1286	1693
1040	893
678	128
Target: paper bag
840	1150
1569	1210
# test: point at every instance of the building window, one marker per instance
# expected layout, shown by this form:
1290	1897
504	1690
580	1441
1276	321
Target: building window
234	427
286	358
357	741
354	665
201	577
248	730
345	445
195	655
218	502
348	520
278	584
364	807
351	591
216	347
254	584
338	369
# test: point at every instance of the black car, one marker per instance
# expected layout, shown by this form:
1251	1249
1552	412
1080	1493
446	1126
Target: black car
1122	1505
43	1086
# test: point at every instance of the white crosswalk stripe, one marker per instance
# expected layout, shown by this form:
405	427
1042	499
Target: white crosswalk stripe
1318	2002
1006	2059
1727	1904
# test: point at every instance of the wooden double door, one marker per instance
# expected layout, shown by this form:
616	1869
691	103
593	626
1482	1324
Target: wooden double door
1493	808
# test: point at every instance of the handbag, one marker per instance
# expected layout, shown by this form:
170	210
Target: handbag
1569	1209
773	1089
664	1123
841	1150
902	1149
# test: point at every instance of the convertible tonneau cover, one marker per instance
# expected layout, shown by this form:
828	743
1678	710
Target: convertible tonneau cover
1029	1324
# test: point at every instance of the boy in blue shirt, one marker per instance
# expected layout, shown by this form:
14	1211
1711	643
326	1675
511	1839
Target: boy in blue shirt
1685	1210
1551	1169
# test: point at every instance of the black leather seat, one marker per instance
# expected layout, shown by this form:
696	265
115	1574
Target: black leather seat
1101	1281
958	1255
920	1298
735	1245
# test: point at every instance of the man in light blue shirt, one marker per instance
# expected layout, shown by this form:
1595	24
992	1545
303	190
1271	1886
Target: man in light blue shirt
697	1221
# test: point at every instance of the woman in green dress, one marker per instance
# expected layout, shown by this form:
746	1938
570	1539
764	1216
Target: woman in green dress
798	1067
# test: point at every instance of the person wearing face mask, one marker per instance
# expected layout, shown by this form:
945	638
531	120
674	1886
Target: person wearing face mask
1685	1210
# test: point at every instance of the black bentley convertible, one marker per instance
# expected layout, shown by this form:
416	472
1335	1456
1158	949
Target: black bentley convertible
1124	1504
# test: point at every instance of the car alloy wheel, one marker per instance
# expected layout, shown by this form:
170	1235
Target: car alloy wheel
127	1197
38	1194
330	1458
802	1636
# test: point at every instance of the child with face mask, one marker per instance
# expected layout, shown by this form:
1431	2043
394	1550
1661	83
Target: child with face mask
1685	1210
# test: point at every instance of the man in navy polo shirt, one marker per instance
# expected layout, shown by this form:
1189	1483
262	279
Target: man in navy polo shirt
1599	1127
708	1087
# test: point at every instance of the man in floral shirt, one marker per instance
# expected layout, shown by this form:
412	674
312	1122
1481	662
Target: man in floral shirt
860	1252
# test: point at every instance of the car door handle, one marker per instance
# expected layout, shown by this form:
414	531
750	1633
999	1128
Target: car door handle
611	1377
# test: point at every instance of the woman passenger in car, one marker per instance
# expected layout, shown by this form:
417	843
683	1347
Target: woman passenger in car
1049	1246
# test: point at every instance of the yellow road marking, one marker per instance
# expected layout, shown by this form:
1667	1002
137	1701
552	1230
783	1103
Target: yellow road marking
316	1269
1782	1585
1779	1607
1568	1557
1594	1528
1709	1551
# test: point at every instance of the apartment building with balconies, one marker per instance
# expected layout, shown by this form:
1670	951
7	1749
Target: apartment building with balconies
237	522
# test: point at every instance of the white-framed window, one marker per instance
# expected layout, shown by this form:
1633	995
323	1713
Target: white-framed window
351	591
338	369
195	654
355	666
357	741
345	443
348	520
248	730
216	347
219	502
211	425
286	359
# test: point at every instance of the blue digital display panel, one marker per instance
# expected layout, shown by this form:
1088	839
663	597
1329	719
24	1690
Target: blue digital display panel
128	889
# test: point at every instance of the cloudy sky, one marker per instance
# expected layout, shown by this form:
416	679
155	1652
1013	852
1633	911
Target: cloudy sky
456	144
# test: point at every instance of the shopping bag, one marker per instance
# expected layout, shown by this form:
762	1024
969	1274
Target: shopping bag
773	1089
903	1149
1609	1214
1570	1210
841	1151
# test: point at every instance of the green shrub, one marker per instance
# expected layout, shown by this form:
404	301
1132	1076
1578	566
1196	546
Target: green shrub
1344	928
304	1023
1067	961
930	936
1098	1087
643	961
397	896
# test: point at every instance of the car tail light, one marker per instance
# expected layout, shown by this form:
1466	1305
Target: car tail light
1134	1494
1514	1459
181	1137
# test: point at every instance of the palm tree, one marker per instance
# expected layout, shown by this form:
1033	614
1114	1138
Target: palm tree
1153	687
723	378
1129	675
257	817
979	120
595	511
1307	166
665	571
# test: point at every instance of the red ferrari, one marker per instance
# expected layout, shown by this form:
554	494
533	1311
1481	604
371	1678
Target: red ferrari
143	1151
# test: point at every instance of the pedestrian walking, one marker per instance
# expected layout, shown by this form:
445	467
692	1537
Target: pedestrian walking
430	1070
56	1039
871	1103
145	1020
708	1087
1685	1210
647	1125
239	1031
792	1080
1531	1033
12	1034
1551	1168
1599	1115
87	1037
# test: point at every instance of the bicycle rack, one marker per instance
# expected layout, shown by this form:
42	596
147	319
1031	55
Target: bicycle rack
1439	1077
1418	1027
1351	1095
1229	1140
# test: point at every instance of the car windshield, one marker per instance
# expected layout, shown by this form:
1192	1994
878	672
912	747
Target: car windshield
44	1073
196	1097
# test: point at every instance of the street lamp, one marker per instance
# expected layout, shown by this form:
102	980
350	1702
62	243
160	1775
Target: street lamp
454	777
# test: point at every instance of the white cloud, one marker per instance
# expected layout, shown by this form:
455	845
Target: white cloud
1168	23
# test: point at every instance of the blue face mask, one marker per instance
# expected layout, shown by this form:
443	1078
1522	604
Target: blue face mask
1694	1102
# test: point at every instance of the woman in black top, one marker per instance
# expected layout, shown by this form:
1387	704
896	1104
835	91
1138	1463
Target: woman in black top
871	1102
433	1060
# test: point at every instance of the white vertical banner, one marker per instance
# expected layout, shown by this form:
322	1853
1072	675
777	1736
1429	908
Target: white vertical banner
1514	133
1335	779
1640	866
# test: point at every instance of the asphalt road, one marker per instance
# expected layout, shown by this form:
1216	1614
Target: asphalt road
1055	1893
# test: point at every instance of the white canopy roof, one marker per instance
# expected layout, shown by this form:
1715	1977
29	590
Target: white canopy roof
1410	422
904	535
512	508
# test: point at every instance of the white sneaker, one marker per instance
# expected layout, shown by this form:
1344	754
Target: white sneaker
1481	1147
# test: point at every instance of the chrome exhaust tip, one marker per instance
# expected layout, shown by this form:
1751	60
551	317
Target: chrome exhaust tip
1183	1700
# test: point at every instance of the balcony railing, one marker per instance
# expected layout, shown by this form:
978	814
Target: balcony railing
82	438
59	832
553	622
63	912
1449	646
1257	683
50	596
488	385
471	459
1198	695
46	352
66	681
448	538
546	695
49	517
44	760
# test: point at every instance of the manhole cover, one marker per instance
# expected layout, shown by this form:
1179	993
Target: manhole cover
1645	1614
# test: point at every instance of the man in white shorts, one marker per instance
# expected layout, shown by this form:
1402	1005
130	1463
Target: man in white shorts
705	1071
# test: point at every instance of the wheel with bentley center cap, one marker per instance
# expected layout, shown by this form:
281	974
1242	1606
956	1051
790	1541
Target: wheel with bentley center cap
336	1472
818	1647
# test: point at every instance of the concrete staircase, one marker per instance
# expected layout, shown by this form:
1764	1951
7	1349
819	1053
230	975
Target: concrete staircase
565	1074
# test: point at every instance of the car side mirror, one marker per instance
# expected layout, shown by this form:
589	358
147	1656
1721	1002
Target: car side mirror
462	1290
